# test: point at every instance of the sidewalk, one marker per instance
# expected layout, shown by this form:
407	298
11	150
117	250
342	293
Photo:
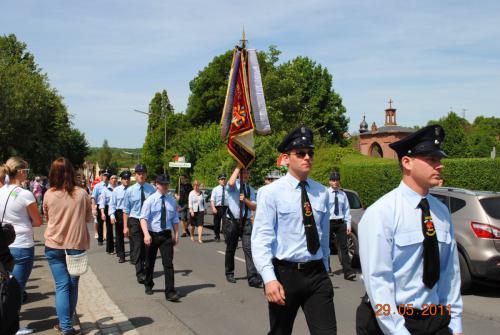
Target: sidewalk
97	313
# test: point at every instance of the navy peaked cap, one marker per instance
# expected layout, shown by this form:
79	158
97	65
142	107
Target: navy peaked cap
426	141
300	137
140	168
335	175
125	174
163	179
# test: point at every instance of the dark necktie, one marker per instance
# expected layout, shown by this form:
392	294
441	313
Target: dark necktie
431	248
143	196
336	209
310	228
163	219
223	195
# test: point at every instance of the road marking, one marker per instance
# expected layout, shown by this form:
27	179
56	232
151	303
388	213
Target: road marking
235	257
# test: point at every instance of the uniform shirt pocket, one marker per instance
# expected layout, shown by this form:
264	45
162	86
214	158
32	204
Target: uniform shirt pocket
290	219
408	238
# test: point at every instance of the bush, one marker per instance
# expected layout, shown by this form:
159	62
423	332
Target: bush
372	178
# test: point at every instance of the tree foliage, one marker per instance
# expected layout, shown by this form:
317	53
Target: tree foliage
475	140
35	123
105	156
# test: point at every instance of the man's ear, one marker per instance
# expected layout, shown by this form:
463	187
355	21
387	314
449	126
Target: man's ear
286	158
406	163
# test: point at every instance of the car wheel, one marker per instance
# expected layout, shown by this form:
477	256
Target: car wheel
464	274
352	246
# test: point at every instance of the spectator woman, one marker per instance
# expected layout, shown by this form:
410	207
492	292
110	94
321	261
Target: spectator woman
67	209
196	210
22	212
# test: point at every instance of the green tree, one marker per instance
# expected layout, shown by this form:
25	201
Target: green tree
162	121
483	136
105	156
300	92
35	123
455	143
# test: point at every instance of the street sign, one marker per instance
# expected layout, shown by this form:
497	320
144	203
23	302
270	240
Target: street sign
179	165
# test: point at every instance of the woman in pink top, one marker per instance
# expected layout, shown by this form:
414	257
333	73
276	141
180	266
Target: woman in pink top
68	209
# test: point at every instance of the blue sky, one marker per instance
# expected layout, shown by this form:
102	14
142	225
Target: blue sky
107	58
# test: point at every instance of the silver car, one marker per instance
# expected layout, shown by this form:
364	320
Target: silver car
476	219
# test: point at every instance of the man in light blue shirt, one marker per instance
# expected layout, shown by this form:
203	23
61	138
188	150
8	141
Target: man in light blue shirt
407	249
340	224
115	211
218	202
160	226
290	242
104	200
132	206
96	193
238	222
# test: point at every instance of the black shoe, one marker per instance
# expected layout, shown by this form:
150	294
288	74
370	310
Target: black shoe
172	296
121	260
217	239
100	243
230	278
183	235
149	290
141	279
350	276
256	284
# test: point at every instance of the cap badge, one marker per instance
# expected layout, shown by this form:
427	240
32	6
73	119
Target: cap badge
436	142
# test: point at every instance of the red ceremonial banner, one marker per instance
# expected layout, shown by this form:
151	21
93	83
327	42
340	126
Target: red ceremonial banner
240	142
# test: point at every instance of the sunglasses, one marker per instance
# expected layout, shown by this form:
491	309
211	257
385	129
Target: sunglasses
25	170
302	154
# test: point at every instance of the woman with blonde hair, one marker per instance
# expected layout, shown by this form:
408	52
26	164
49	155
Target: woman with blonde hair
68	209
19	208
196	210
22	212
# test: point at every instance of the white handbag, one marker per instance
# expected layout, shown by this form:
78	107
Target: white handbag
77	264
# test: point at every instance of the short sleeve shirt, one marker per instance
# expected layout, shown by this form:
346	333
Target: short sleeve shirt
17	215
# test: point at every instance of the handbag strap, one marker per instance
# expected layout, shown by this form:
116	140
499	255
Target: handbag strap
5	208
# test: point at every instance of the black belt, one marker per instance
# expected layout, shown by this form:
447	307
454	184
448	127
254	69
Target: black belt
299	266
167	233
337	221
119	211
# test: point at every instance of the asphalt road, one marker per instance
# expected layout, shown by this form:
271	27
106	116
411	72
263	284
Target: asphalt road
210	305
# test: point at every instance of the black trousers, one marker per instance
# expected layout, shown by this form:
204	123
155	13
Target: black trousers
110	241
221	212
162	241
366	323
338	232
120	242
100	237
232	233
309	288
137	252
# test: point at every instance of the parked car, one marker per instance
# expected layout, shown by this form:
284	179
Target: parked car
476	219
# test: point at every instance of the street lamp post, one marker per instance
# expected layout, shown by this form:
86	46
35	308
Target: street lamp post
165	132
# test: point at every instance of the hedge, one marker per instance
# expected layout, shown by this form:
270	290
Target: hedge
373	177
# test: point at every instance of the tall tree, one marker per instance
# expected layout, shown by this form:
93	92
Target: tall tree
162	126
455	143
105	156
35	123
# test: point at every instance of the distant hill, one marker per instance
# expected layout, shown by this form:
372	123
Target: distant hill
122	157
